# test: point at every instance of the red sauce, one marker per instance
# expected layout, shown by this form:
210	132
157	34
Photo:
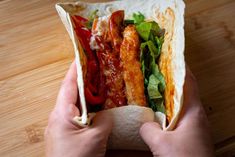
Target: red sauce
104	84
112	71
94	82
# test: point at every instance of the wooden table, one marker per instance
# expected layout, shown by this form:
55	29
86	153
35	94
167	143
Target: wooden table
35	53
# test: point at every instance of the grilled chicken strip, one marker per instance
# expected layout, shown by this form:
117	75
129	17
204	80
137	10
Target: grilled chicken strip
133	76
114	80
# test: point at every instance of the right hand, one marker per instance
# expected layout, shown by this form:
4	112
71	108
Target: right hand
191	136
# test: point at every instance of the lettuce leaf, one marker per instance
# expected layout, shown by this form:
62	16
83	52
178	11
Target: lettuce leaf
157	105
162	84
148	30
152	37
148	54
138	18
91	18
127	22
152	88
159	41
153	79
144	30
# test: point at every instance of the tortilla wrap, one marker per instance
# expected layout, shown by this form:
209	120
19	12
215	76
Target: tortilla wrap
127	120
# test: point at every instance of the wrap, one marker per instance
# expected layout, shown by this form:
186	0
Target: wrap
169	14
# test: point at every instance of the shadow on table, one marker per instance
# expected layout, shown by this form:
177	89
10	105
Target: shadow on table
128	153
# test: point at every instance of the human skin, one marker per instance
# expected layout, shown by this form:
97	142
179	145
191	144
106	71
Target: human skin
191	137
63	137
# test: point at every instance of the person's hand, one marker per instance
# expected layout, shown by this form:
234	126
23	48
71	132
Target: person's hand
191	136
63	137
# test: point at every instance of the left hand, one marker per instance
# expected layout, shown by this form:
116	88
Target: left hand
63	137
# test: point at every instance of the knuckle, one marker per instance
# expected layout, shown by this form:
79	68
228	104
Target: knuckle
200	113
198	117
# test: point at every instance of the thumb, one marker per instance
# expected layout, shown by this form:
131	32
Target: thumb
150	132
68	112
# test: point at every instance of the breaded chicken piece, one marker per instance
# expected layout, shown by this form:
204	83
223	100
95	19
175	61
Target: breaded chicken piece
133	76
110	68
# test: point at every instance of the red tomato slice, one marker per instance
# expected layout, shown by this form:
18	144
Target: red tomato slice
94	89
78	20
93	100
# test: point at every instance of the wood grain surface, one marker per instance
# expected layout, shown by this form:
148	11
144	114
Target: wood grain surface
35	53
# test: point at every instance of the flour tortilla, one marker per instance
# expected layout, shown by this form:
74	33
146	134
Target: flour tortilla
169	14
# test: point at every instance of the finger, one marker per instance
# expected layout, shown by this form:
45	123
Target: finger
69	112
150	132
192	104
191	92
68	91
67	96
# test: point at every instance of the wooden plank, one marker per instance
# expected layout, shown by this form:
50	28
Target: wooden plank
27	101
226	149
35	52
30	96
210	53
35	37
25	141
194	7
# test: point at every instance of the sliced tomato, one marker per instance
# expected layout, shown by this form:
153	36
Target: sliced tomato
84	36
94	90
92	99
93	76
78	20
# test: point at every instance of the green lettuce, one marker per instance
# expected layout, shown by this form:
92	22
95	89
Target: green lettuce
138	18
153	79
127	22
159	107
91	18
152	37
152	88
148	30
159	41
